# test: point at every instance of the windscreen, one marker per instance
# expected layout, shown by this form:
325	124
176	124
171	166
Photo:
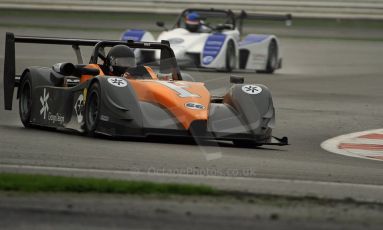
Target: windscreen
209	19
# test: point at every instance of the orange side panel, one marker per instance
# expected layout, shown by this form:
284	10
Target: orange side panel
84	78
174	95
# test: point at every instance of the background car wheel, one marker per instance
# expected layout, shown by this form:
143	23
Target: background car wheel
92	109
272	60
231	60
25	101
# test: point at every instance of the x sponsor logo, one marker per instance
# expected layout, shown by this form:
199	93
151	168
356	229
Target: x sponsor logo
44	103
251	89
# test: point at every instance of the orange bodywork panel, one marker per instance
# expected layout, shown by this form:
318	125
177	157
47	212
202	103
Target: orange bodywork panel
187	101
84	78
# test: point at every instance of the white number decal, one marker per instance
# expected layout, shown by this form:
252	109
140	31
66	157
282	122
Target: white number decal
179	89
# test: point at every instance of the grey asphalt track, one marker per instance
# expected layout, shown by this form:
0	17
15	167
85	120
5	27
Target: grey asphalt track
328	86
92	211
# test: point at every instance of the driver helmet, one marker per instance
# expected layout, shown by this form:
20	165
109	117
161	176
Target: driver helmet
119	59
192	21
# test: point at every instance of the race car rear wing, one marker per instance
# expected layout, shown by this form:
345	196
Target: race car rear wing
270	17
11	79
235	19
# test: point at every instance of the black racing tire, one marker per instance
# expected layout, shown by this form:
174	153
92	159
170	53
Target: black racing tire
231	59
272	59
246	143
92	109
25	101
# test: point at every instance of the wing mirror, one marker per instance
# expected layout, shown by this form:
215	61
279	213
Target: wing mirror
68	69
60	70
65	68
162	25
237	79
88	71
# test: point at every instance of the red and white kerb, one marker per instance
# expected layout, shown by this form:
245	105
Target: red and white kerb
366	144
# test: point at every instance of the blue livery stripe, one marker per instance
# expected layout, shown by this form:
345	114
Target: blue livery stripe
213	46
135	35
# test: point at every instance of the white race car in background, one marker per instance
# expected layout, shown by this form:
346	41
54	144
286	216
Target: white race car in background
216	45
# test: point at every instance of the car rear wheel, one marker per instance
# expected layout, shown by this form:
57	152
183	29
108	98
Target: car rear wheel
92	109
230	57
25	101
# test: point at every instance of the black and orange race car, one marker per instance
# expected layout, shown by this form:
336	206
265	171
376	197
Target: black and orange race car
120	98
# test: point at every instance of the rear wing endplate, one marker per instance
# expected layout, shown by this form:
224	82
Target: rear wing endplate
9	77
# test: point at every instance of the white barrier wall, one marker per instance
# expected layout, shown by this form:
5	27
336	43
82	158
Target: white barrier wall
352	9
